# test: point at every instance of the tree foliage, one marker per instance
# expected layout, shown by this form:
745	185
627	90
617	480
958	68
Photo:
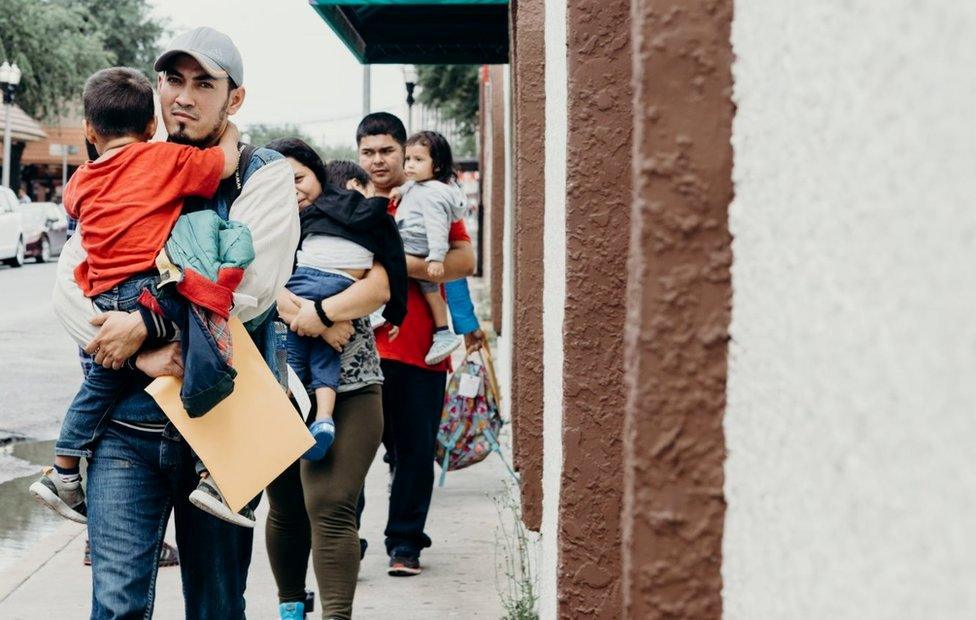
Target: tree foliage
131	34
454	90
59	43
56	47
261	134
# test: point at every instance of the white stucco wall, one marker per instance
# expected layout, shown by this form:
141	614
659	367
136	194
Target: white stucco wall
851	420
504	368
553	299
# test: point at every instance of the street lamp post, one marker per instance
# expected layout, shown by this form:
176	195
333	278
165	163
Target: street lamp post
410	77
9	80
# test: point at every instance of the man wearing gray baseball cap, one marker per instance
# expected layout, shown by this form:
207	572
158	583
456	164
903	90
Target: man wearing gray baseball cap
200	86
214	50
201	74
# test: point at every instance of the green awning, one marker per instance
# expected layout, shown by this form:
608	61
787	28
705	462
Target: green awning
426	32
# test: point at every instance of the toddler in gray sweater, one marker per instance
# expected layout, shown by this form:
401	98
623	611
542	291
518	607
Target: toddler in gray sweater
427	205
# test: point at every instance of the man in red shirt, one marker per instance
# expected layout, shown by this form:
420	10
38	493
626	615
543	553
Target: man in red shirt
413	392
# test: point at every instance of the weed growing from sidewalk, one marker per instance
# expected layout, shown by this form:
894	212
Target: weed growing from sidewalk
515	576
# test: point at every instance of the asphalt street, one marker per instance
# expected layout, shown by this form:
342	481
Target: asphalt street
39	370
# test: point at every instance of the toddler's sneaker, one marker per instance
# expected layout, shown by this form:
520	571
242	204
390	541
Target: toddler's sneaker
376	319
444	344
207	498
291	611
323	431
65	498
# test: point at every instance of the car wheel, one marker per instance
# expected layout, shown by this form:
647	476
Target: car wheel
18	258
45	255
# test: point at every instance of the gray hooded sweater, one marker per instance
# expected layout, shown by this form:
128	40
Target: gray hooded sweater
424	216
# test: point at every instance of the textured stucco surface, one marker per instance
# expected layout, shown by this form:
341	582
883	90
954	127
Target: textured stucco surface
553	302
678	310
528	64
598	196
851	476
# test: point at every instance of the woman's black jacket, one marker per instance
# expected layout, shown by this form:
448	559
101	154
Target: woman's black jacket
365	221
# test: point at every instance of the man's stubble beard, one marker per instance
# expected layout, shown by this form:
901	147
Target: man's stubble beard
395	180
212	137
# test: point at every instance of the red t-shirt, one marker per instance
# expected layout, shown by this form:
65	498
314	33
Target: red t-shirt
128	204
417	331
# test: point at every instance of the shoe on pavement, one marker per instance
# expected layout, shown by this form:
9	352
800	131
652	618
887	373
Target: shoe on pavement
444	344
207	498
363	545
65	498
403	566
323	431
291	611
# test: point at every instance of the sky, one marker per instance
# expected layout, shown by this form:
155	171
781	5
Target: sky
296	70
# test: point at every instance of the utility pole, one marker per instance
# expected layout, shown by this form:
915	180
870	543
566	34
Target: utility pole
367	88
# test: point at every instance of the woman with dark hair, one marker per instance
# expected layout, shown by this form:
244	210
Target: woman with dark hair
310	175
313	503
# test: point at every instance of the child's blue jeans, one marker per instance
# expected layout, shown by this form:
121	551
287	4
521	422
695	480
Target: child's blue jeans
315	362
90	410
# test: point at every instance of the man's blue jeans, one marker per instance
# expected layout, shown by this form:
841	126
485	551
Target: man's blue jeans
134	479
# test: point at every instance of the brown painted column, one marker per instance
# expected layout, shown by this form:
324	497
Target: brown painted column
528	76
598	232
497	180
679	296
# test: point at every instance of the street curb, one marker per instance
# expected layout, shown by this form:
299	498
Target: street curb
35	559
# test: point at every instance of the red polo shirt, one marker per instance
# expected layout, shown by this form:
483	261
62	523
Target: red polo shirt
417	331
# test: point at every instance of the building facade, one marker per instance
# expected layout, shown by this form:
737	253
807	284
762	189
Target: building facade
729	247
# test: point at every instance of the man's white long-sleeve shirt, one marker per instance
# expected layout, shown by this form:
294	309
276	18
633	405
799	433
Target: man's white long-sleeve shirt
267	206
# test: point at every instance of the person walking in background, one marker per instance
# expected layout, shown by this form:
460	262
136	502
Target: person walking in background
413	392
313	503
342	232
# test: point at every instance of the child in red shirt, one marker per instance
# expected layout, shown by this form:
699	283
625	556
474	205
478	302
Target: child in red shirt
127	202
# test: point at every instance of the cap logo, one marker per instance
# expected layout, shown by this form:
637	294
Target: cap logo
213	53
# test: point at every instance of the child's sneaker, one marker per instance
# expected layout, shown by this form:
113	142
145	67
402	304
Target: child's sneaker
291	611
376	319
207	498
323	431
444	344
65	498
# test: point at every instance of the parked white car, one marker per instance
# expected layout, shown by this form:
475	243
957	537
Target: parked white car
12	244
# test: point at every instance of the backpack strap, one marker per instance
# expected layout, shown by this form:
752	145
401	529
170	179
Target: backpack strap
236	182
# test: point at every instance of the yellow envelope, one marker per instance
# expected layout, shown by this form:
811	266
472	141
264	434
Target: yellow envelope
248	439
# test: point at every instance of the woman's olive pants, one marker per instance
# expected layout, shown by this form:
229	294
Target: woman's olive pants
313	507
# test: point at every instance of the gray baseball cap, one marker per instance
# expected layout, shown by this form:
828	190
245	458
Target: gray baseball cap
214	50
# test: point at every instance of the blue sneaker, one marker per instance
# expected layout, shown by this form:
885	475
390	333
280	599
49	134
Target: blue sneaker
323	431
291	611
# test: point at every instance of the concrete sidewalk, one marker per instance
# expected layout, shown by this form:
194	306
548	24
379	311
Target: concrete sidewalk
458	579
